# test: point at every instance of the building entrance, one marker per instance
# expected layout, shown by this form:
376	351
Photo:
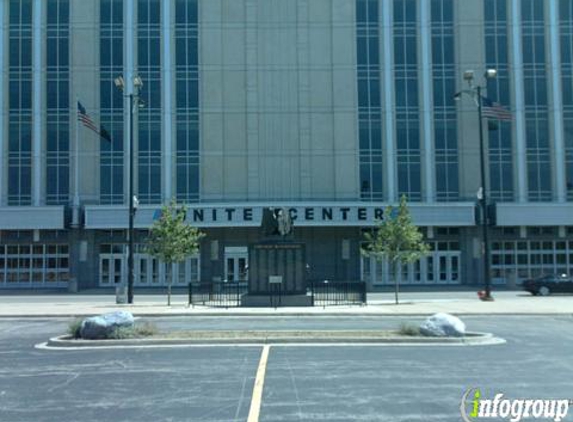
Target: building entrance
147	271
440	267
236	264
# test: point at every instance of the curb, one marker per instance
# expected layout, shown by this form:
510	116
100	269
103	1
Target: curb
258	338
287	314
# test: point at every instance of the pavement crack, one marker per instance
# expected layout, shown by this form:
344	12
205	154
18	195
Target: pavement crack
70	379
242	395
295	388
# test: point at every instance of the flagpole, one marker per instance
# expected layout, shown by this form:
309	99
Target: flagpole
76	201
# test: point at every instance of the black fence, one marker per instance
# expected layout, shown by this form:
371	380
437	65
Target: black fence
328	293
323	293
219	295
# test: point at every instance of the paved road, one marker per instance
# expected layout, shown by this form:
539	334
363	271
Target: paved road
335	384
14	304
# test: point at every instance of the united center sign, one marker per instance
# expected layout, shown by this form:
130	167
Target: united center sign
350	214
301	216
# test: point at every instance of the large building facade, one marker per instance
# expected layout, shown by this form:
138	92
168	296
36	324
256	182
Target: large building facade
331	109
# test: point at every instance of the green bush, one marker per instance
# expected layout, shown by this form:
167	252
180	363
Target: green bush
74	328
409	329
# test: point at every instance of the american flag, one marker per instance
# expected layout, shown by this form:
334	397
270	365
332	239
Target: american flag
87	121
495	111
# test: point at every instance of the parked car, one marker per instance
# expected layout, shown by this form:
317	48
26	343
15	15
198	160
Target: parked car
547	284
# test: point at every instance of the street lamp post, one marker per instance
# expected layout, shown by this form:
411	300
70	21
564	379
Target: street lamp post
133	98
475	92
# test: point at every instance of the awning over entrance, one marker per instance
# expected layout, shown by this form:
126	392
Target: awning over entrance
32	218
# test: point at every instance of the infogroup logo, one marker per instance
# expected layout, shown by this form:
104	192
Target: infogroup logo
474	407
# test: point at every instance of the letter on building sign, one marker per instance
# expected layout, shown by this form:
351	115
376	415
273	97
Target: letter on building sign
309	213
248	214
197	215
293	213
229	212
327	213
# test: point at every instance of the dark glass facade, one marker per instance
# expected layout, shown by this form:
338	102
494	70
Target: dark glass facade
501	186
111	102
187	100
369	108
444	88
57	102
20	103
535	92
407	99
566	42
149	115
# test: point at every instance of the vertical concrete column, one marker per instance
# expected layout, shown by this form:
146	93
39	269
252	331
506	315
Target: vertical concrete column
37	64
251	71
426	106
556	106
167	100
129	72
518	100
388	105
3	108
304	123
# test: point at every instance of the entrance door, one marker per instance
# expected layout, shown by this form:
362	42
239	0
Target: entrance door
448	270
441	267
148	271
236	264
111	269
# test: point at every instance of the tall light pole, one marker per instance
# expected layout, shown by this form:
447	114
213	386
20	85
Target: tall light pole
475	92
133	96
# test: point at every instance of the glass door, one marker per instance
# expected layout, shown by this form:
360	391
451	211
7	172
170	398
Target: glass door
111	269
236	264
447	268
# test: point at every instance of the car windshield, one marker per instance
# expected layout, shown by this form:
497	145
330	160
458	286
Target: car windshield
550	277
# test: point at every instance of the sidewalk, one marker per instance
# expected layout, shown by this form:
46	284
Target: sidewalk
25	304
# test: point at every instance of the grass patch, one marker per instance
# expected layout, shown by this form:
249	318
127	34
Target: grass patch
74	328
409	329
146	329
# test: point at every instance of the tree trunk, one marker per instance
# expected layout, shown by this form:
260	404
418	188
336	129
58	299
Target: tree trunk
168	276
396	286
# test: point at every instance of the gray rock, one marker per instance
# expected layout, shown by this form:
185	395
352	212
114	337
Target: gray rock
101	326
443	325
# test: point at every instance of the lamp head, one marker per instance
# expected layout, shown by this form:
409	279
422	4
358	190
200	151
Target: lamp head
469	75
119	83
490	73
137	82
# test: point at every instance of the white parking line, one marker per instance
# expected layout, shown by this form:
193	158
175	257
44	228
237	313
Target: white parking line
258	388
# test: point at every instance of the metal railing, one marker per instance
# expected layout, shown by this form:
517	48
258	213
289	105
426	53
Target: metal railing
328	293
323	293
217	294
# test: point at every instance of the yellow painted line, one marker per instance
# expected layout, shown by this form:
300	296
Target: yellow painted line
256	401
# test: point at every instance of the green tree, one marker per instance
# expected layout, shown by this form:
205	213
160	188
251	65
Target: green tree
172	240
397	239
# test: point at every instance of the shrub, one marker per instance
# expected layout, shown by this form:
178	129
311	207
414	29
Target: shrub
74	328
409	329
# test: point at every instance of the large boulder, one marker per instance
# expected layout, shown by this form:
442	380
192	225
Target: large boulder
443	325
101	326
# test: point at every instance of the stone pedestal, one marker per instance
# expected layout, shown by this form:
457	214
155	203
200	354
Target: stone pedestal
277	275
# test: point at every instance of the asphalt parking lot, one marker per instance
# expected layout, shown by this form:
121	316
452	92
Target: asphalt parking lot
318	383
